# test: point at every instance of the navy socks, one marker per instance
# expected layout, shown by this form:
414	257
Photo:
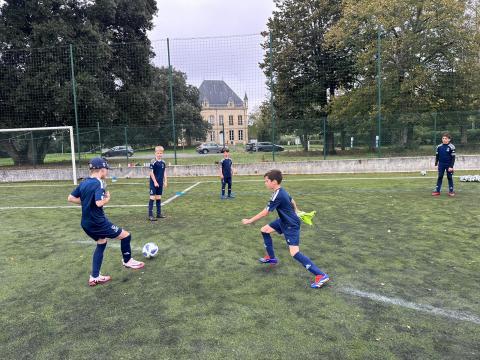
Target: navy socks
125	247
267	240
308	264
150	207
159	207
98	259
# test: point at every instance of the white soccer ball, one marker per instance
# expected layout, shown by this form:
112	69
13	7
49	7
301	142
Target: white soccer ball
150	250
423	172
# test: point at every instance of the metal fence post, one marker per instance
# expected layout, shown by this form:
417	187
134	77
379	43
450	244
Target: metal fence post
126	143
74	91
272	107
379	90
324	138
172	109
99	138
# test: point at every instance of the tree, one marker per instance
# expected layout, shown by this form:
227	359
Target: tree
306	70
35	83
428	61
262	122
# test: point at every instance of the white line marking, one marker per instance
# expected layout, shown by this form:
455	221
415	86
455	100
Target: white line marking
249	180
107	206
452	314
176	196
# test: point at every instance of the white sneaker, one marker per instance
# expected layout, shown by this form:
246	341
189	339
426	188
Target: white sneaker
99	280
133	264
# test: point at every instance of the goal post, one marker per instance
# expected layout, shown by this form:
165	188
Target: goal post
72	143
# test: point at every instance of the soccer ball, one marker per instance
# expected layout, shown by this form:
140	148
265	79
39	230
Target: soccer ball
150	250
423	173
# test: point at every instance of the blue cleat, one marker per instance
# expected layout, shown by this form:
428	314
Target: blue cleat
223	197
231	196
319	281
268	260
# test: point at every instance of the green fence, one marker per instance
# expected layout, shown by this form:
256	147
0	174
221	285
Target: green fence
232	90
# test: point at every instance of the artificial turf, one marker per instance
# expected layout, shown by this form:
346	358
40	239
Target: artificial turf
206	297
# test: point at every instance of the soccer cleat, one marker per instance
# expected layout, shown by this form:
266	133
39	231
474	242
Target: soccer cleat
151	218
223	197
451	193
133	264
268	260
319	281
99	280
231	196
161	216
436	193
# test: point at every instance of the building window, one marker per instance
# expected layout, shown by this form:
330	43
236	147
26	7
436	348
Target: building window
240	135
212	136
220	120
211	120
230	120
231	135
240	120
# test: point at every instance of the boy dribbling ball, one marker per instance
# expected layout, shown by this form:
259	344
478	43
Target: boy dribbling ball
287	224
445	160
158	181
91	195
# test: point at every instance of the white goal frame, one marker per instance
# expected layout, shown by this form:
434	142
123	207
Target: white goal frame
72	143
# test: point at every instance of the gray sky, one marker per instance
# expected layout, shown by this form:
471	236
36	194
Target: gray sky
205	41
199	18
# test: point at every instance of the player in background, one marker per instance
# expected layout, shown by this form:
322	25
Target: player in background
445	160
91	195
158	181
226	174
287	224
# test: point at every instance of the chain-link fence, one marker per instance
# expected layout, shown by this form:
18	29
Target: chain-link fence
123	99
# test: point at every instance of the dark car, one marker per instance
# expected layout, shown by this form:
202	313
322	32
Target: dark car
263	146
118	151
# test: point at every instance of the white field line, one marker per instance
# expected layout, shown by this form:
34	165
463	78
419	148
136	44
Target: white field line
428	309
246	181
107	206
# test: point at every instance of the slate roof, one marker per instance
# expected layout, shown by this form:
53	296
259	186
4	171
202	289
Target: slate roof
218	94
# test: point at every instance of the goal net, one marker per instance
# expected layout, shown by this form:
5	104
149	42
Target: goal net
34	149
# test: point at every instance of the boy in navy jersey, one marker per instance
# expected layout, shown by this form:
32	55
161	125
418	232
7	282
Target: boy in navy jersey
226	173
287	224
445	160
91	195
158	181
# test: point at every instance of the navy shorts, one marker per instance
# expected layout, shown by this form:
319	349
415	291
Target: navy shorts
107	231
291	233
156	190
227	181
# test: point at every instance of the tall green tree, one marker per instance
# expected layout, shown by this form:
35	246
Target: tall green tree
306	70
35	83
428	57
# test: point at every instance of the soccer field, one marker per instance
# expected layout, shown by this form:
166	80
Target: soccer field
404	266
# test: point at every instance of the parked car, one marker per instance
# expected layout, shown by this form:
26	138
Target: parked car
210	147
118	151
263	146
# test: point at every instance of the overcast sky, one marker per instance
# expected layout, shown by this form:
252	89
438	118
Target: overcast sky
220	54
199	18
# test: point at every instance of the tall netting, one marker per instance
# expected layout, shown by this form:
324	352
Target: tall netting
362	86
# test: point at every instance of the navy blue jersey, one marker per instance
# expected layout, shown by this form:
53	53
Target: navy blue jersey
226	165
282	202
158	167
445	154
89	191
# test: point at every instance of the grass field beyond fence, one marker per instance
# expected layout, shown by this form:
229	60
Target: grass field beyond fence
405	274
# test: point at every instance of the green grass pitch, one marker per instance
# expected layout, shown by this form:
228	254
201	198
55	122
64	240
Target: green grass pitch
405	274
